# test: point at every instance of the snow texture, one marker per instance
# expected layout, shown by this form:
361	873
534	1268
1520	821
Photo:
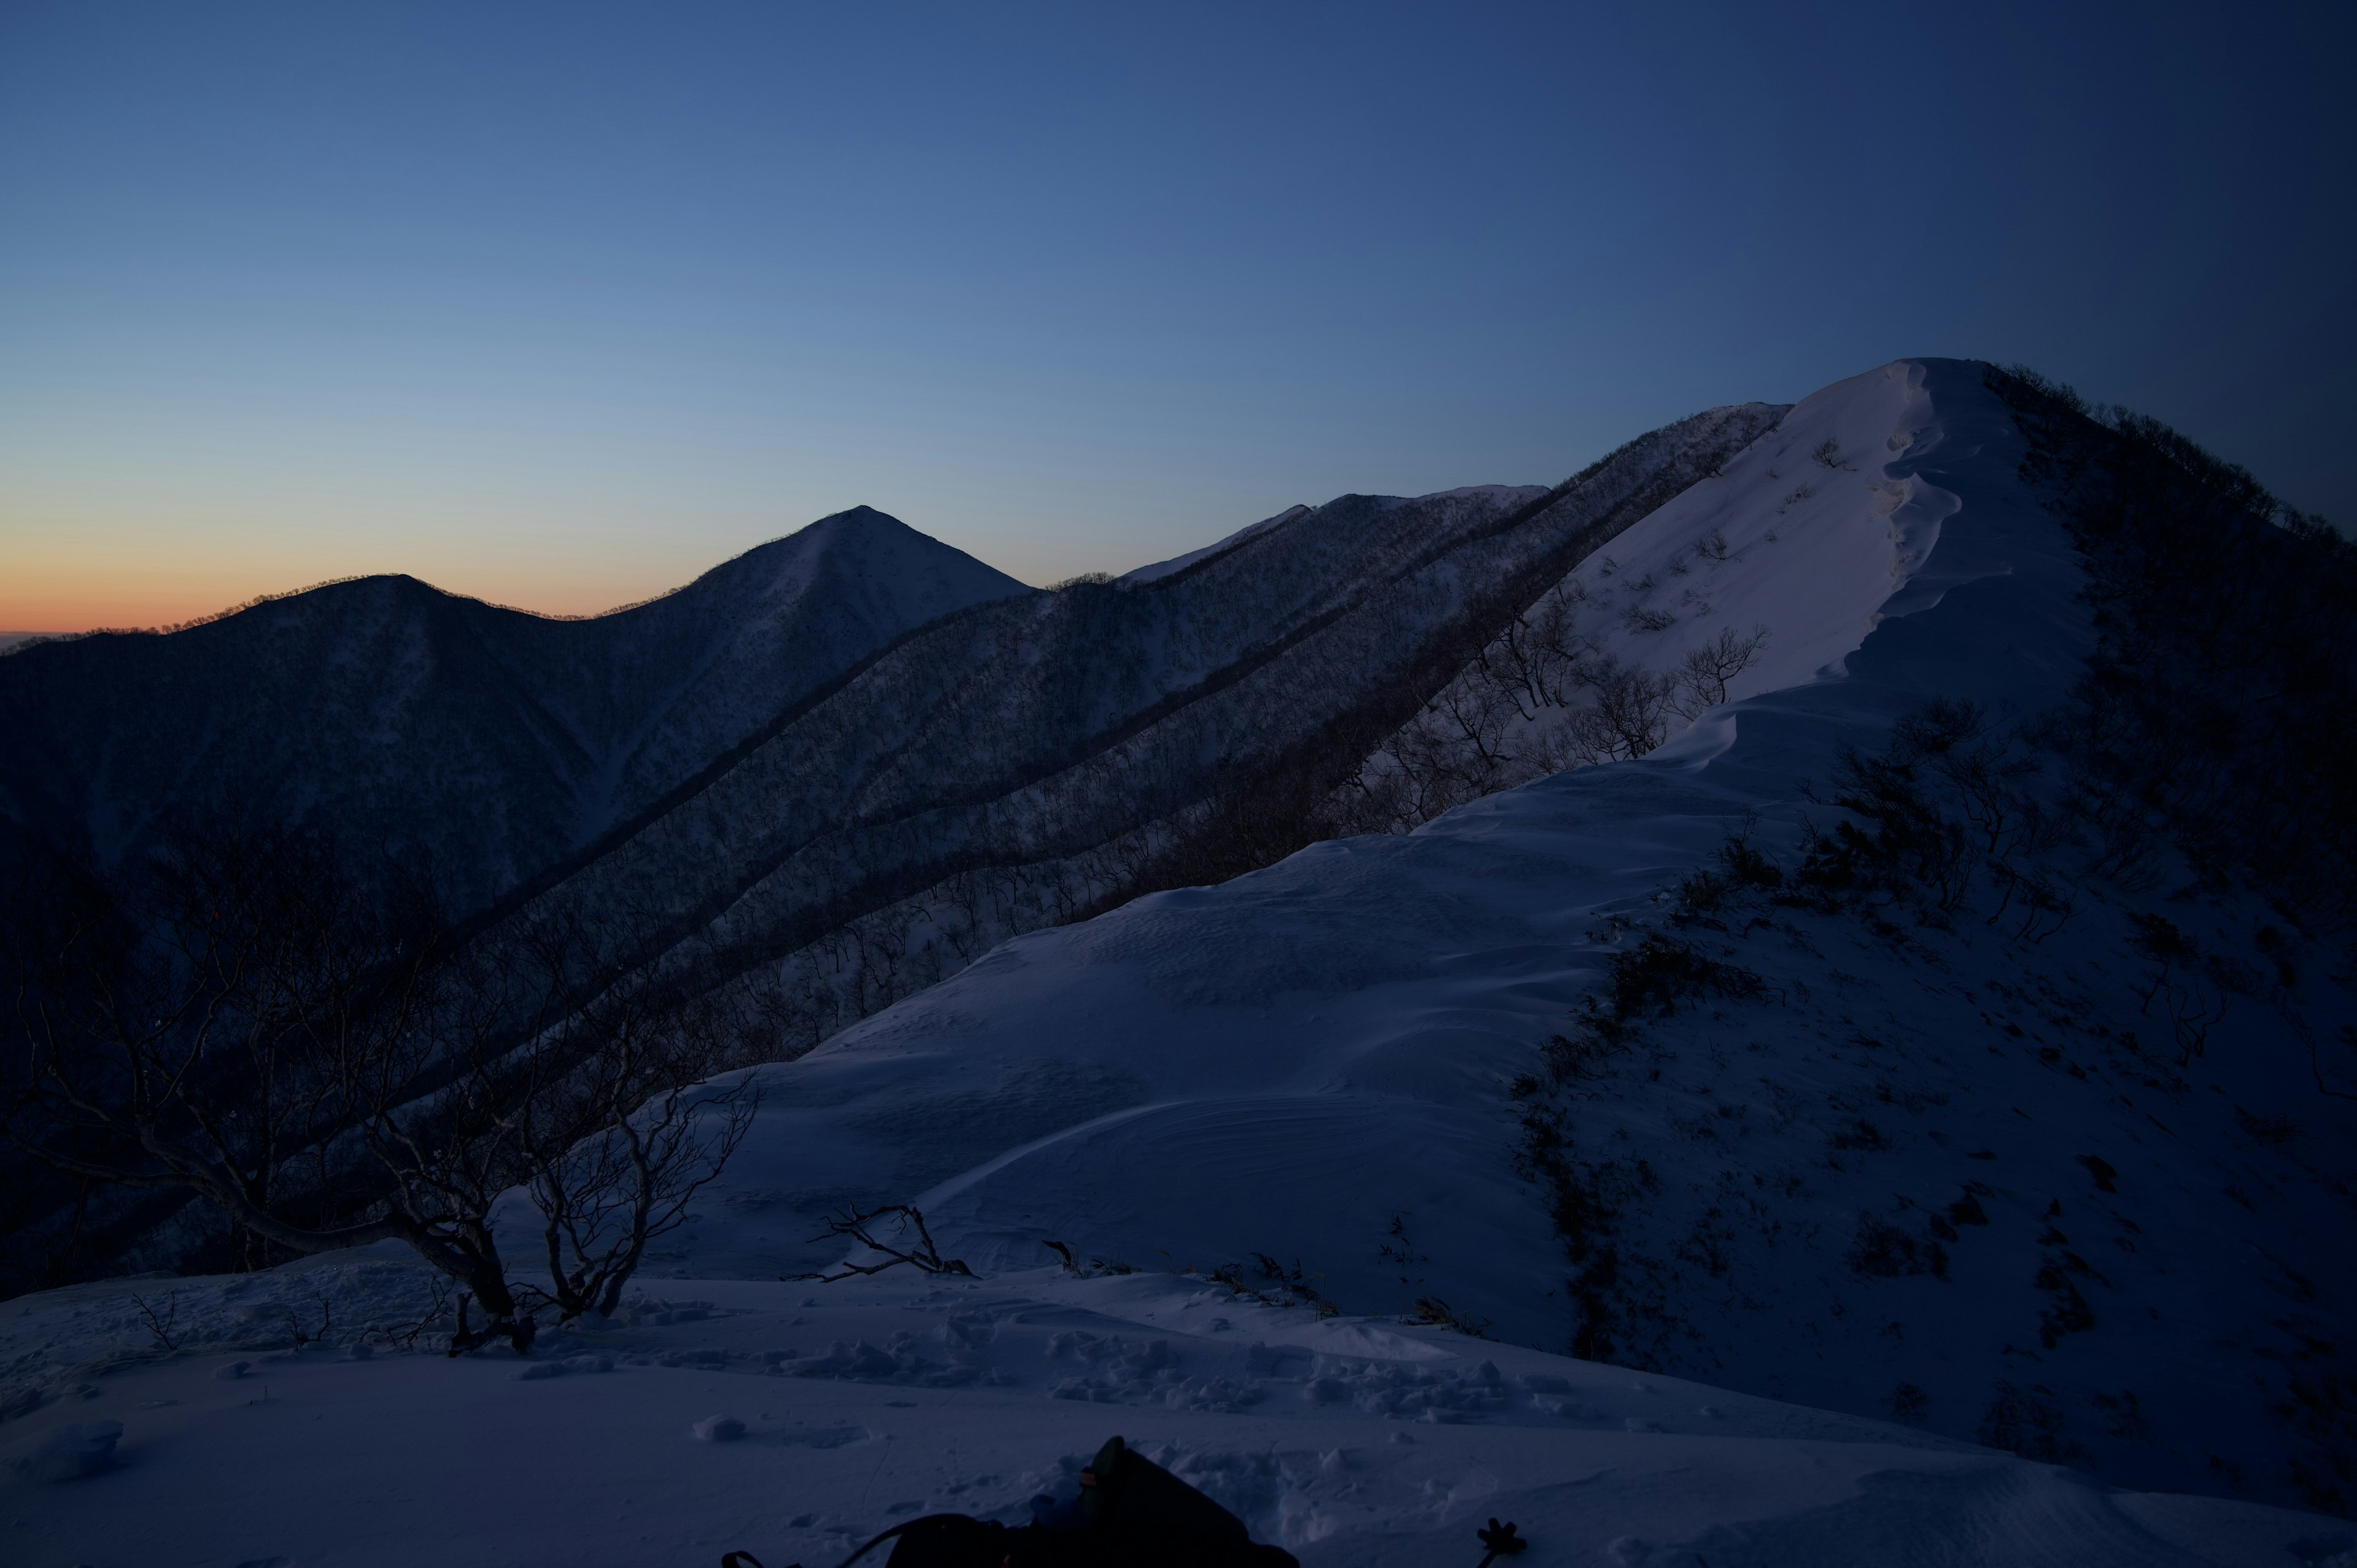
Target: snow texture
1349	1441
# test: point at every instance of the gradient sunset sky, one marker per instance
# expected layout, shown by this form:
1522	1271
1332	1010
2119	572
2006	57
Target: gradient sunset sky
561	305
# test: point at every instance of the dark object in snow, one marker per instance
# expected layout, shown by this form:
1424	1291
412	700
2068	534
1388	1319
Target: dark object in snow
1133	1513
519	1332
71	1452
861	1227
1501	1540
1131	1495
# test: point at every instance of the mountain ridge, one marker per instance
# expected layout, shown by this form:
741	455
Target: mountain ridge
542	733
1013	763
1823	1052
1050	744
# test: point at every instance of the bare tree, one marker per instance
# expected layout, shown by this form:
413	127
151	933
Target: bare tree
920	1255
177	1035
1708	666
327	1069
1540	652
1629	717
623	1133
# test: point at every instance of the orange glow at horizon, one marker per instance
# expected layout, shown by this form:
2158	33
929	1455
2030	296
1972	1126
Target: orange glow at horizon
57	597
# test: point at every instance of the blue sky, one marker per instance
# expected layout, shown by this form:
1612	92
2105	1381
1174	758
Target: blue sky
561	305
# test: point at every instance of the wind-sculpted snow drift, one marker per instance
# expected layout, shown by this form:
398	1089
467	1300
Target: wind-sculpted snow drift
1977	1167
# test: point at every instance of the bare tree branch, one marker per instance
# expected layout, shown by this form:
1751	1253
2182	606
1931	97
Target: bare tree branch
924	1257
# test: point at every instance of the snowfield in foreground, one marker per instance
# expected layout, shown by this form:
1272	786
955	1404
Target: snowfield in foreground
1349	1441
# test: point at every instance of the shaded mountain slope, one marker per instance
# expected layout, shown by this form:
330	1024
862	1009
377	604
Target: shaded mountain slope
1035	758
492	742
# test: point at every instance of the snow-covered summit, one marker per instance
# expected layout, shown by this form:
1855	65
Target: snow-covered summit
915	575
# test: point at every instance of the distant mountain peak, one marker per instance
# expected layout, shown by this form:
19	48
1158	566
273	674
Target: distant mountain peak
498	740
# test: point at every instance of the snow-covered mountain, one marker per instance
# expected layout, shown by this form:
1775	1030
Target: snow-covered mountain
493	743
1989	1160
834	770
1844	904
847	760
1036	759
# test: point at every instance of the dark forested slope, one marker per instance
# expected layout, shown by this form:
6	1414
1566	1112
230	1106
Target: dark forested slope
490	743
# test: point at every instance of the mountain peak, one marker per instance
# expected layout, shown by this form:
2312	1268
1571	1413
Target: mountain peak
861	542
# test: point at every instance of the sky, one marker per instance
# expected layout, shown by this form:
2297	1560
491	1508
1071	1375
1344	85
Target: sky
559	306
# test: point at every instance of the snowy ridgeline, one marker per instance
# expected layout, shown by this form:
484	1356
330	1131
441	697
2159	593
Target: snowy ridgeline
1034	760
1972	1143
1761	574
794	1424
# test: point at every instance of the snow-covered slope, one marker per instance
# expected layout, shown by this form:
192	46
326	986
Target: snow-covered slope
1809	535
1354	1443
1157	569
1021	764
1755	578
1159	1011
728	655
1969	1176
